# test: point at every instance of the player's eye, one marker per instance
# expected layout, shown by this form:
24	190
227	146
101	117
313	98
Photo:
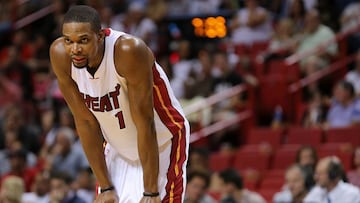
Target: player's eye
84	40
67	41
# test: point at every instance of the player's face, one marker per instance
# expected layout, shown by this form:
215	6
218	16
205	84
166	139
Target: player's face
81	43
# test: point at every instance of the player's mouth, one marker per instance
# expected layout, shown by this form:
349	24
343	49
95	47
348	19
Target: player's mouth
78	59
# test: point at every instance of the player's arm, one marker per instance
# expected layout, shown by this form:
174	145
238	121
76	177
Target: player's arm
86	124
134	61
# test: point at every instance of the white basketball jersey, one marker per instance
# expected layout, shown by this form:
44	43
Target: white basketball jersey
105	94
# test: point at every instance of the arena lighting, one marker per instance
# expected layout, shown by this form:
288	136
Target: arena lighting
210	27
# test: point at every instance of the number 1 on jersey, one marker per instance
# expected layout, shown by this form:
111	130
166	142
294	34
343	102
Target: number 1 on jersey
120	117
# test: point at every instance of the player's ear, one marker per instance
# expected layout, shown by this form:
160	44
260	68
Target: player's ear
101	35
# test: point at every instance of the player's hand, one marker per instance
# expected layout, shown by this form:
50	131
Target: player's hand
150	200
107	197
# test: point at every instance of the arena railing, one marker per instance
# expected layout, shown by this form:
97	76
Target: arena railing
34	16
241	116
296	57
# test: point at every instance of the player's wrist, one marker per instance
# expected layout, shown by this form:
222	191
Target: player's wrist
110	188
151	194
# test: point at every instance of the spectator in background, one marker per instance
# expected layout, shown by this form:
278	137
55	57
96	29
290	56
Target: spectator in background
350	20
296	13
199	82
181	68
196	188
233	190
107	18
354	175
198	160
353	76
306	159
59	119
12	189
84	185
66	154
229	5
177	7
10	93
350	16
345	107
5	16
60	189
204	7
12	144
283	37
306	156
118	6
316	34
19	49
311	65
19	168
16	70
329	13
299	182
198	86
224	76
39	191
156	10
251	24
135	22
315	112
283	41
330	187
14	121
40	57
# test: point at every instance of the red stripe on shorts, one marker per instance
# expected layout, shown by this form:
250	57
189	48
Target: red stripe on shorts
174	121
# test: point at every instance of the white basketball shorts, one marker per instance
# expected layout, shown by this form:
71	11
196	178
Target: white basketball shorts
127	175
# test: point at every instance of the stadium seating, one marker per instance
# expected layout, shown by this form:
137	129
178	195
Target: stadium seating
285	156
304	136
273	91
340	135
253	157
271	136
220	161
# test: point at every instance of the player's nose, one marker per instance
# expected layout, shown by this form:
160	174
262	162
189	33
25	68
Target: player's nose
76	48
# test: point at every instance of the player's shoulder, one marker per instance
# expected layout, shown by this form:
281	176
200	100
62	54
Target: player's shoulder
57	47
130	44
59	59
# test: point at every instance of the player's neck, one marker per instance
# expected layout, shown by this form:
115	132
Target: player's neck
99	57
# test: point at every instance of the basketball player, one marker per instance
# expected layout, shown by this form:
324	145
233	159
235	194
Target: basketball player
116	90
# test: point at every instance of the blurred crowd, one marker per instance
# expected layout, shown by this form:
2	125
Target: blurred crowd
39	149
308	179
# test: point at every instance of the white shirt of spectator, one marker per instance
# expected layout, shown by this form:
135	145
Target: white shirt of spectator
354	78
32	197
342	193
353	12
203	7
247	35
343	116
